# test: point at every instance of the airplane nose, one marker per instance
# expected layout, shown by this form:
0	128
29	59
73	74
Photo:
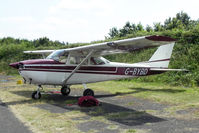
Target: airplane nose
14	65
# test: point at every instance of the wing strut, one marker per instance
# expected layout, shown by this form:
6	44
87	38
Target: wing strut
43	55
77	67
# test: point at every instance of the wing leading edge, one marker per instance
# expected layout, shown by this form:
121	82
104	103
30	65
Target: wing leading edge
39	52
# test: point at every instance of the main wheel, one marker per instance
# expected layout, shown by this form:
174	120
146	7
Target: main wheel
65	90
88	92
36	95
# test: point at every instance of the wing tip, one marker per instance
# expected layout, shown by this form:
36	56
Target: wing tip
160	38
26	52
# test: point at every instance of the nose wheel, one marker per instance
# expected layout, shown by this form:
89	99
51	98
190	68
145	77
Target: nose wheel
37	94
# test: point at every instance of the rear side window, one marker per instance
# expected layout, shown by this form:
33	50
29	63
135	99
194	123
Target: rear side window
96	61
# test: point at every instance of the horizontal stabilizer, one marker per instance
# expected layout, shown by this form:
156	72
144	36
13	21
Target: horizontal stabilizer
167	70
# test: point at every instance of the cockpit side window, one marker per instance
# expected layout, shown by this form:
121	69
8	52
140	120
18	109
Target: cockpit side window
63	58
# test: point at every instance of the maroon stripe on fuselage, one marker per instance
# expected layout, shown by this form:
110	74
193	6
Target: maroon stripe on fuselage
86	68
65	71
123	71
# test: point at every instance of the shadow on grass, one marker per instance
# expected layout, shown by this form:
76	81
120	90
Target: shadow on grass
56	103
137	90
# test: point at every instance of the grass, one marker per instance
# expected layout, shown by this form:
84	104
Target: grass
177	97
131	131
153	91
18	99
39	120
124	115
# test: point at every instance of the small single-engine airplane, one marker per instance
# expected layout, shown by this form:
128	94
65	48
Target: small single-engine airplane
85	64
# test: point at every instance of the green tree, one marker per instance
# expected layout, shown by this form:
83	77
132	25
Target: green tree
149	28
140	27
134	28
113	32
182	20
158	27
127	29
183	17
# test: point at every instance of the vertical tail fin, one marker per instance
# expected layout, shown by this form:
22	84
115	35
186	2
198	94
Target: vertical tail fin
161	57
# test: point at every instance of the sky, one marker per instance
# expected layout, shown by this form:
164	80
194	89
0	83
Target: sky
83	20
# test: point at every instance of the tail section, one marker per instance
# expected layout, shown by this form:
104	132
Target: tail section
161	57
159	61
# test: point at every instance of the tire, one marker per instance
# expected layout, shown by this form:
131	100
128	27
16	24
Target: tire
65	91
88	92
35	96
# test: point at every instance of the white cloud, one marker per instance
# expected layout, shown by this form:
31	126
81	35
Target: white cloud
17	19
79	5
86	20
71	20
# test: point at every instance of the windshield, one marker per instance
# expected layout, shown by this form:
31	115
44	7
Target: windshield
56	55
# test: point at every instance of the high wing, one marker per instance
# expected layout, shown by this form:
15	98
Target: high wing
119	46
44	53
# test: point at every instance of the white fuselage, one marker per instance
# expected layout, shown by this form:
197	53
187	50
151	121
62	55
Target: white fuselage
45	74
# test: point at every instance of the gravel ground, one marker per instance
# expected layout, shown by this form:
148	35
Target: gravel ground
8	122
119	112
124	116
